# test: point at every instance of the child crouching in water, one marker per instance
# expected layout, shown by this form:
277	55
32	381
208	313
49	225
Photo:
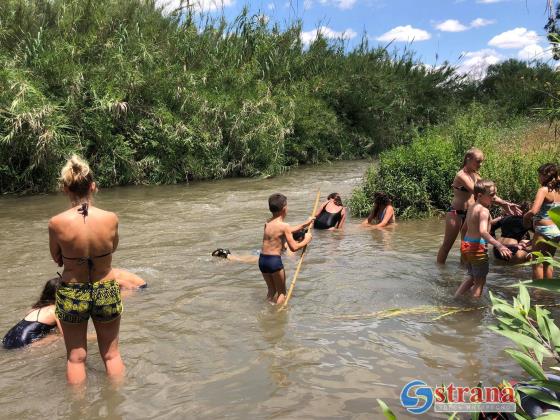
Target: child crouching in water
474	246
276	232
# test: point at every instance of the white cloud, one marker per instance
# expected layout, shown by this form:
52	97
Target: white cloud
476	63
310	36
535	52
405	34
451	25
489	1
341	4
480	22
271	6
516	38
307	4
198	5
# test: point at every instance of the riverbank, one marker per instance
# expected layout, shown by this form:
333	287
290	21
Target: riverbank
418	176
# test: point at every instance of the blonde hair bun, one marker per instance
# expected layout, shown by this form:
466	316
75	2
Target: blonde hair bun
76	176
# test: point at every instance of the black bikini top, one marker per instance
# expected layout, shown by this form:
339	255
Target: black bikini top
461	188
84	211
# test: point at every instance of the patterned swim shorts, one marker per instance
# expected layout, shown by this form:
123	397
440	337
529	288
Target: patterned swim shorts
76	302
475	256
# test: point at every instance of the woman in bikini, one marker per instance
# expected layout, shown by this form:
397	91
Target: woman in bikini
463	190
547	198
383	213
331	214
83	239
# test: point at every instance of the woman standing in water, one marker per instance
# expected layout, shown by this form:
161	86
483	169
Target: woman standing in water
331	214
83	239
547	198
463	190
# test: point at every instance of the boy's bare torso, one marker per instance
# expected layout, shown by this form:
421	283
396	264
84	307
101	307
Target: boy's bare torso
274	236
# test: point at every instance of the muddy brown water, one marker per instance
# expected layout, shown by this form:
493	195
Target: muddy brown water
201	342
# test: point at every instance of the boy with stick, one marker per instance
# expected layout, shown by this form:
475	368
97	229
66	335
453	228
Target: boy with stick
276	233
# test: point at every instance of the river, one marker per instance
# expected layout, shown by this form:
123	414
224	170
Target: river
201	342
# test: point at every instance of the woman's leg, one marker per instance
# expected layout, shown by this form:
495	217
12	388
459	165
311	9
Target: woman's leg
108	341
453	224
538	269
75	339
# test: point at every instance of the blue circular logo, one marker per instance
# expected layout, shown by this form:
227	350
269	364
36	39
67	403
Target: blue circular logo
417	397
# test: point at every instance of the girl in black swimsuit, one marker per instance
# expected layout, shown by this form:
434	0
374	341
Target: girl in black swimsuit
324	219
25	331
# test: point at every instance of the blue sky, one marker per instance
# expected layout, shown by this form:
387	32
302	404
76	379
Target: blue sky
470	34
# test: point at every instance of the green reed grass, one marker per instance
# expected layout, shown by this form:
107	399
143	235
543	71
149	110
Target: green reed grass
150	97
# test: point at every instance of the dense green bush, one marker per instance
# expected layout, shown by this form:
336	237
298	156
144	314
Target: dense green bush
419	176
153	98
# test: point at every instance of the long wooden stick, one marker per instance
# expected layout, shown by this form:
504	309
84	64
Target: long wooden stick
300	258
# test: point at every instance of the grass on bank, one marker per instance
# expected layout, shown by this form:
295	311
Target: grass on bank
418	176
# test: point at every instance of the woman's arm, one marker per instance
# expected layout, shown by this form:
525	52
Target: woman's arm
342	220
56	251
466	180
387	217
116	237
536	207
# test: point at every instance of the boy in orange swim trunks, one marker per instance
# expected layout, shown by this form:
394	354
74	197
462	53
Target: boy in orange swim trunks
474	246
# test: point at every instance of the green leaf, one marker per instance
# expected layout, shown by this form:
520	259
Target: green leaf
539	395
549	284
522	340
541	321
528	364
554	332
554	214
524	298
475	416
552	385
386	410
511	311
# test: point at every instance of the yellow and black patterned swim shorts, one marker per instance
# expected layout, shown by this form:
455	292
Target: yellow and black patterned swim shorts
76	302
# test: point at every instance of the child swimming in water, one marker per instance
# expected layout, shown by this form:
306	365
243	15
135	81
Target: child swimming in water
474	248
276	232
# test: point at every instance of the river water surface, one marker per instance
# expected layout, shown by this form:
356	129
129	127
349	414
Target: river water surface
201	342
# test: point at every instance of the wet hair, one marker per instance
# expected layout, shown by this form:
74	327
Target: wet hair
276	202
483	186
76	176
336	198
470	154
551	178
379	199
48	295
525	206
